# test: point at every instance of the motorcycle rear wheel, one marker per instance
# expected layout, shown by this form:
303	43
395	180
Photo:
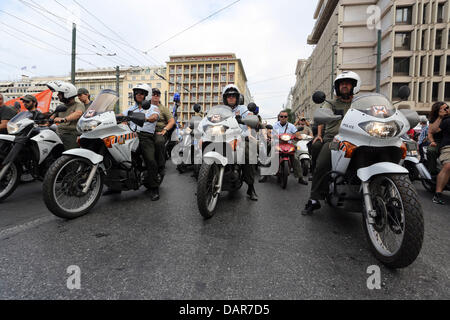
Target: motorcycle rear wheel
207	197
398	212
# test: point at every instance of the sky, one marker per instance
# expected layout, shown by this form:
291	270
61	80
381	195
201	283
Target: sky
268	36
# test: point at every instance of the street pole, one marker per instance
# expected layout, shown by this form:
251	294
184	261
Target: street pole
118	88
74	51
332	69
378	83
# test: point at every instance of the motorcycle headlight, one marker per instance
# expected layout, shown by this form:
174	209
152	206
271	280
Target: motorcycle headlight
86	126
382	130
413	153
12	128
285	137
216	131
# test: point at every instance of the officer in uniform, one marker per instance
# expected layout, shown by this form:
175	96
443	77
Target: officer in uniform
146	136
346	86
164	128
67	128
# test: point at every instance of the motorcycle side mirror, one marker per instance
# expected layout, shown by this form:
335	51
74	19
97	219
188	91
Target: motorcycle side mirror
319	97
241	100
60	108
138	118
324	116
251	121
412	117
252	107
404	92
146	105
197	108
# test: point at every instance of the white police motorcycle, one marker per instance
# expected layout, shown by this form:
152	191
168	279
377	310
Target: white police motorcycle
30	148
223	150
109	155
367	176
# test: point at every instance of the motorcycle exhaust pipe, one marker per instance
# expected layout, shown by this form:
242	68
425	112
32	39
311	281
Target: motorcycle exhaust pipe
90	178
5	168
370	213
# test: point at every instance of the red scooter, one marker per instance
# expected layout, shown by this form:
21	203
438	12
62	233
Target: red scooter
286	151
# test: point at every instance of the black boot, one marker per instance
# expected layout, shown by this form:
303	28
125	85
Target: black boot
154	194
252	193
311	207
302	181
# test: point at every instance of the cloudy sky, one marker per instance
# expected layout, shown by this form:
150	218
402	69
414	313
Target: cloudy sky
269	37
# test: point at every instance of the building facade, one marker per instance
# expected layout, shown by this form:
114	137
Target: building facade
415	49
200	79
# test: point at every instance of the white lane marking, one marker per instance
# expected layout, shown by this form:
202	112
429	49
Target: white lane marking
25	226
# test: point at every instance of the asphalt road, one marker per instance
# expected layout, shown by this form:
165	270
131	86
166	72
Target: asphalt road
132	248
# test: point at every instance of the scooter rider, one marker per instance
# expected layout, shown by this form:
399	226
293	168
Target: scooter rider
146	135
346	86
231	96
67	128
281	127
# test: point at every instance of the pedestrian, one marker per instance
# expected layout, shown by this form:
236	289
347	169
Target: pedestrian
439	111
6	114
85	97
423	137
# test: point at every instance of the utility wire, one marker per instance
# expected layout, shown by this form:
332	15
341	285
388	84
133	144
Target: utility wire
192	26
118	35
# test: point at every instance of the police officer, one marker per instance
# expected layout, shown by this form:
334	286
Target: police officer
281	127
146	136
84	97
231	96
67	128
163	130
346	86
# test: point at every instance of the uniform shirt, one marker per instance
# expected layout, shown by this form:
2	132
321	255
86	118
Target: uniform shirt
288	128
6	113
164	117
244	113
148	126
70	126
445	127
332	128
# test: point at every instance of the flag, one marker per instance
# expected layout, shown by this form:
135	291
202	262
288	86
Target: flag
44	99
33	67
23	68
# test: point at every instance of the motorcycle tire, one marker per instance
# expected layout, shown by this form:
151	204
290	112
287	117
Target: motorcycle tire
284	174
412	220
16	172
306	165
429	185
206	200
49	190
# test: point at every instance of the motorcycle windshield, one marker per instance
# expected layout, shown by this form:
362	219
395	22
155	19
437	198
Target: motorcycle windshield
219	113
375	105
20	116
104	102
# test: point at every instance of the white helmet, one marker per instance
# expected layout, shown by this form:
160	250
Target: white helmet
66	88
231	89
348	75
143	87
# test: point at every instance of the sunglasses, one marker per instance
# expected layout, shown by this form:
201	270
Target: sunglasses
446	109
156	94
283	116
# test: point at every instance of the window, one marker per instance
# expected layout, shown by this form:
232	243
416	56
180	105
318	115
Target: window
440	13
447	91
143	78
403	15
422	65
231	68
435	93
395	88
420	92
133	78
424	17
158	85
401	66
402	40
438	39
447	69
437	65
92	87
423	40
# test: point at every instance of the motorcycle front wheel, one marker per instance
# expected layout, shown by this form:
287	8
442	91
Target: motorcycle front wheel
284	172
396	236
207	195
63	185
10	180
